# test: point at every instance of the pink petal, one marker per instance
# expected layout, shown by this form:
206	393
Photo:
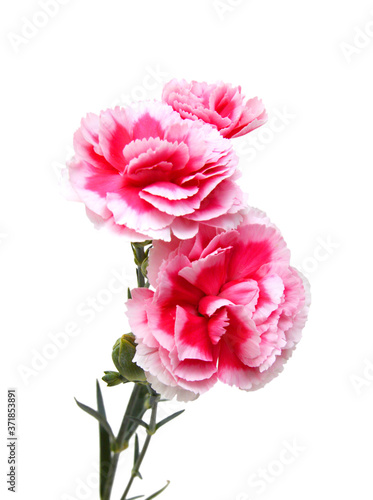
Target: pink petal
115	132
130	210
209	273
210	304
191	336
241	293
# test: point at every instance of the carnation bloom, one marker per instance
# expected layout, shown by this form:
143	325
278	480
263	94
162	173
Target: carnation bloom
227	306
219	104
150	174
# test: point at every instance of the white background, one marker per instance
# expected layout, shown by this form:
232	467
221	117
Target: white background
310	171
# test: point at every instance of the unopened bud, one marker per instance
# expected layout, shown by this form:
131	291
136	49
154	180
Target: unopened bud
123	352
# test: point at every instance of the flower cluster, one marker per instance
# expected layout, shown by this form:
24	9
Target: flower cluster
223	302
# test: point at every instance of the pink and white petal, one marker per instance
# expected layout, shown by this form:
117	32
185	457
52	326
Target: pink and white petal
232	371
174	208
218	202
109	224
172	288
137	316
159	252
294	334
150	361
270	296
191	336
209	304
209	273
256	246
244	293
161	321
192	370
183	228
169	392
92	184
170	190
242	335
130	210
217	326
199	386
114	134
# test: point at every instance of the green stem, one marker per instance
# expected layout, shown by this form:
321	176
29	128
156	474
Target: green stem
123	431
140	254
135	408
110	477
136	405
151	431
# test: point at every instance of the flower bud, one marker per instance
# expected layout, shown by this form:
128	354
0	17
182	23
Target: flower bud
123	353
113	378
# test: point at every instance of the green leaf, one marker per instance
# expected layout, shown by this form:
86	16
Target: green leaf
168	419
137	449
136	456
157	492
105	451
129	294
98	417
138	421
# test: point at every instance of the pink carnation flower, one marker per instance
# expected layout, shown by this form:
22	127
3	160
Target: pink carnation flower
227	306
150	174
219	104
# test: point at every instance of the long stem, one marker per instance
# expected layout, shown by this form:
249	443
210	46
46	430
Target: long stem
110	476
151	431
128	428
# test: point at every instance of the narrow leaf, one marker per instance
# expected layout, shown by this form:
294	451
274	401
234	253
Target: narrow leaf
138	421
98	417
137	449
105	452
157	492
168	419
